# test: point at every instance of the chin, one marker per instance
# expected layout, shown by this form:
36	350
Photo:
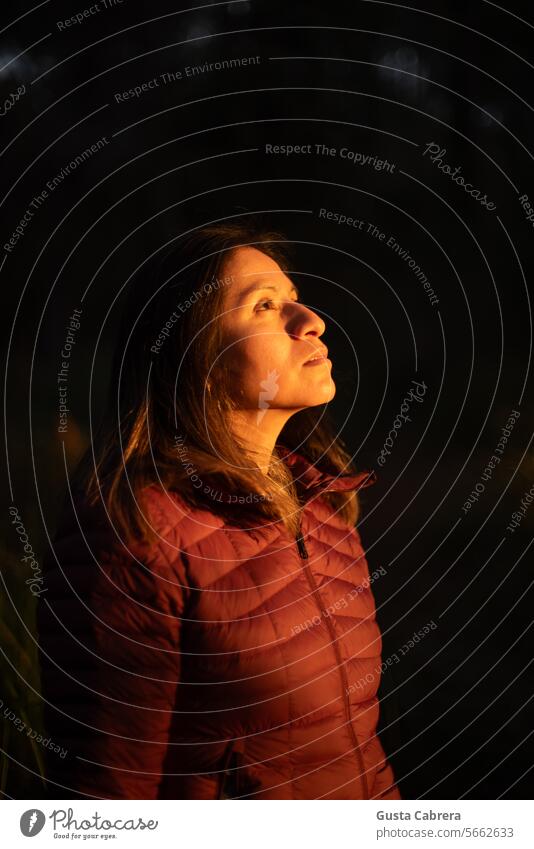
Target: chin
329	390
331	393
321	395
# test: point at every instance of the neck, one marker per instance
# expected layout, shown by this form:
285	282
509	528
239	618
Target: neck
259	436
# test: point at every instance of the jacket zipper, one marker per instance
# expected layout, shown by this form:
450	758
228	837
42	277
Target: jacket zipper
340	663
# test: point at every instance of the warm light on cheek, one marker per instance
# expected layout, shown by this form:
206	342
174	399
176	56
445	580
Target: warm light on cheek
236	359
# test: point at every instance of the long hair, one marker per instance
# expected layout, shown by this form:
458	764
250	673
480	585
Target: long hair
163	427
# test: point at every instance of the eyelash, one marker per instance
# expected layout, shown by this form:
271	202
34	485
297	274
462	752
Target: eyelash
270	301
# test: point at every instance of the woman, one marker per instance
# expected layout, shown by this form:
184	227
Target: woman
208	629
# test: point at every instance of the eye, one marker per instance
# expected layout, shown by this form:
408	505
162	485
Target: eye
262	303
271	305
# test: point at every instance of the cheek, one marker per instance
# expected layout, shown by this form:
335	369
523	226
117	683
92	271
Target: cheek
258	354
243	366
258	365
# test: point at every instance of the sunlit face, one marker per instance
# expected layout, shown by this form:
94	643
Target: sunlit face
269	338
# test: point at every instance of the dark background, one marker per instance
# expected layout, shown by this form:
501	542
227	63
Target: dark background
456	713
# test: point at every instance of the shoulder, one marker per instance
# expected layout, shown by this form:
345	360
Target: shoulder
89	548
175	520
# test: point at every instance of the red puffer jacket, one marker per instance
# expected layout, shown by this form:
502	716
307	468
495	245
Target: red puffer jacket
221	662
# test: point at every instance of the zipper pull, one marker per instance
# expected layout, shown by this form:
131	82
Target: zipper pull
301	546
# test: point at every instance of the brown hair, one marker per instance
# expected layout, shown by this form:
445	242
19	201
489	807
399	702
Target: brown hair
169	345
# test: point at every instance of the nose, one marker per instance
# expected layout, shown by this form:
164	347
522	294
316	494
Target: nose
304	322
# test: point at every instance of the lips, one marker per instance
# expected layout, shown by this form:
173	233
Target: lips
319	356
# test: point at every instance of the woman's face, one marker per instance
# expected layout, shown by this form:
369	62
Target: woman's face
269	338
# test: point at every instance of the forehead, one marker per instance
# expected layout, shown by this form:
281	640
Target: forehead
245	261
250	267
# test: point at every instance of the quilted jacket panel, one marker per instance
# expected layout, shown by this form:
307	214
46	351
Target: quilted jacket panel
221	662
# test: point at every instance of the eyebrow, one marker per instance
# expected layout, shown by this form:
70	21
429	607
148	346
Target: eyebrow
260	288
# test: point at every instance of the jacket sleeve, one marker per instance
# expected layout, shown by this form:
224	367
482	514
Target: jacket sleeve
109	641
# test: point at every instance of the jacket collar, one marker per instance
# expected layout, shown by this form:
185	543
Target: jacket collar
310	480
